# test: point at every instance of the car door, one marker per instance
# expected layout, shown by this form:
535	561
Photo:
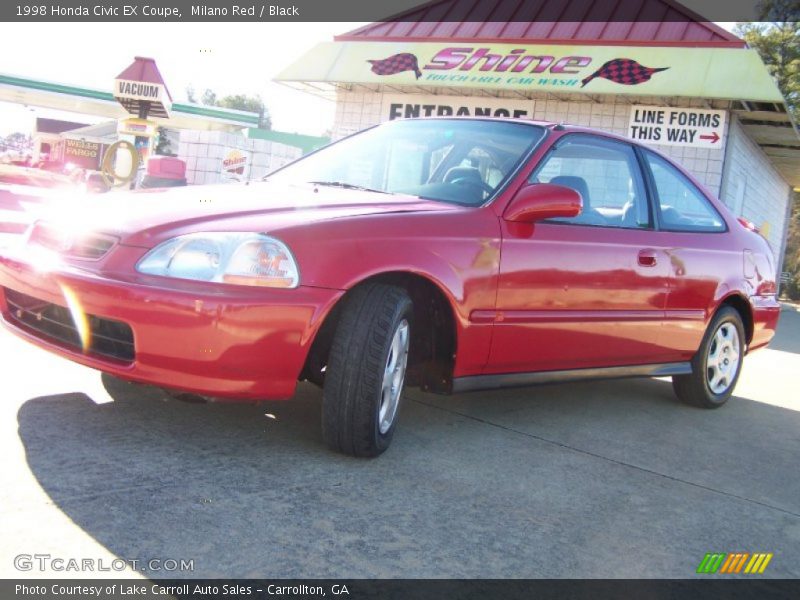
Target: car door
700	255
588	291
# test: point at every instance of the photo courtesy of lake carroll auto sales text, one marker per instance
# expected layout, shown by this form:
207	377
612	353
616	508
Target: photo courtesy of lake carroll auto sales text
447	299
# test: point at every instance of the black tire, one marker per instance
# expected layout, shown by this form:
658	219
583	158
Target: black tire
695	389
354	377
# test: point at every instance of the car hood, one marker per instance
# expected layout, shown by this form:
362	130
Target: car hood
146	217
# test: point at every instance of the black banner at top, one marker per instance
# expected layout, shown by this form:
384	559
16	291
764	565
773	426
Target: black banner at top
586	11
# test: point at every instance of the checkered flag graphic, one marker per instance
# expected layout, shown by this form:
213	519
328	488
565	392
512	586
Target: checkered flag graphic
396	64
625	71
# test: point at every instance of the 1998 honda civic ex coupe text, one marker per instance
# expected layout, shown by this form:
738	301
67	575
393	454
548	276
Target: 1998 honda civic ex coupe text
452	254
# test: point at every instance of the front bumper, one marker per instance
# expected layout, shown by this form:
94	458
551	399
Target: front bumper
229	342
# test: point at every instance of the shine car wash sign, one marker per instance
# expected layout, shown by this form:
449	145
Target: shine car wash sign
583	69
671	126
412	106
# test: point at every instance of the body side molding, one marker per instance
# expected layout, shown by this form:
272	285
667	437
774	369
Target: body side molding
484	382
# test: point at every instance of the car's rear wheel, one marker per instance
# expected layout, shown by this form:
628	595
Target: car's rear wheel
716	365
366	370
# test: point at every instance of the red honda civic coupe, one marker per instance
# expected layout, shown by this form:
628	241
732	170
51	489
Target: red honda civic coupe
451	254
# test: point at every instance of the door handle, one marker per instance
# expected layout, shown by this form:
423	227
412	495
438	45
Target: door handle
648	258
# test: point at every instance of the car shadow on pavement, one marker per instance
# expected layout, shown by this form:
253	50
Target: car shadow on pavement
787	336
514	483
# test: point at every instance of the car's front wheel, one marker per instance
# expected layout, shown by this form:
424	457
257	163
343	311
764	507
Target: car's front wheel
366	370
717	364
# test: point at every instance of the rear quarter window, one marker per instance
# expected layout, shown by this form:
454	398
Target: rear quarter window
681	204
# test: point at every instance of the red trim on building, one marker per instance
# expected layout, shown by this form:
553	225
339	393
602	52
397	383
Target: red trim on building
523	41
652	23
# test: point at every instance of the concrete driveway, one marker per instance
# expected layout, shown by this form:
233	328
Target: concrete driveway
611	479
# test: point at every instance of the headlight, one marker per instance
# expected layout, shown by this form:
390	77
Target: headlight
238	258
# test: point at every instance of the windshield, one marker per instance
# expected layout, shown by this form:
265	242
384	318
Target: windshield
458	161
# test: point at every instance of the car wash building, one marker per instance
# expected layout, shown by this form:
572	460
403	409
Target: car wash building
688	88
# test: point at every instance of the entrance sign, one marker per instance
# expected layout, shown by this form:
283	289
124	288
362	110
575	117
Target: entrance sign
671	126
581	69
406	106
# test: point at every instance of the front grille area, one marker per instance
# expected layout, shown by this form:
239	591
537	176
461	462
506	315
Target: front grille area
106	338
91	246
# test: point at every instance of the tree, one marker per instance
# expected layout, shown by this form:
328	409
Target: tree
17	141
777	40
209	98
778	44
791	261
235	101
163	146
251	104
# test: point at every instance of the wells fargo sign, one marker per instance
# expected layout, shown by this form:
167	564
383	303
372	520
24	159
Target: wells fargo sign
80	153
693	72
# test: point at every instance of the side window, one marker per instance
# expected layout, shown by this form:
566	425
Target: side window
607	176
682	206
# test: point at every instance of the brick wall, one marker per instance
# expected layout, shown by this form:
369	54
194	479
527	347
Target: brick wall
203	152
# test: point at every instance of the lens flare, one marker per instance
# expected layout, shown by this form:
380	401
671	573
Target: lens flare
78	316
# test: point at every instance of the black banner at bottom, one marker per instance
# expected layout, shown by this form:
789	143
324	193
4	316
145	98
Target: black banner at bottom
390	589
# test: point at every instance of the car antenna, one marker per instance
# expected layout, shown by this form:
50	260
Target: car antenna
559	127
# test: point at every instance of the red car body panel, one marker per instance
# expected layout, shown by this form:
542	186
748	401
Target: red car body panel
524	297
247	344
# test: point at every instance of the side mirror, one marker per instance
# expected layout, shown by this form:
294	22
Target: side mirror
543	201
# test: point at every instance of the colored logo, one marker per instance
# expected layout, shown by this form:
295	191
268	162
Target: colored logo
396	63
625	71
736	562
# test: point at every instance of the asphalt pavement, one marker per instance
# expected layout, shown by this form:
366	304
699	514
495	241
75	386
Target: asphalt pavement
602	479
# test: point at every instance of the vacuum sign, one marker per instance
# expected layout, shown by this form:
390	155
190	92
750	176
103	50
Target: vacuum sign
139	90
408	106
689	127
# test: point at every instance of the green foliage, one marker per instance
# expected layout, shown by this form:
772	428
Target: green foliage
777	40
163	146
791	261
17	141
778	43
236	102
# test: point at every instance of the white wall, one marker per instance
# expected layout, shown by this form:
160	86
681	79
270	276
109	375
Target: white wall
752	188
203	151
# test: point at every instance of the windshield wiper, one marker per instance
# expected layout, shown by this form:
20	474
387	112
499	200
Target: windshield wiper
347	186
